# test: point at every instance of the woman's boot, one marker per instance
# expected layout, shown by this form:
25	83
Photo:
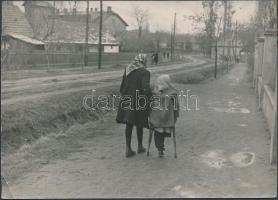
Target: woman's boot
140	149
128	133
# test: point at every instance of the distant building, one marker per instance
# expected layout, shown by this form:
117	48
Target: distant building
17	33
38	14
111	21
64	30
70	36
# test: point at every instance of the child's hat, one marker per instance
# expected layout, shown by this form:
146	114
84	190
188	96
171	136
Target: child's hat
164	82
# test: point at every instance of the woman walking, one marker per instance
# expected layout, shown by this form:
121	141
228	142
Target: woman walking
134	105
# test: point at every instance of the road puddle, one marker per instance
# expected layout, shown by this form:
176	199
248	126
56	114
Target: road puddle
233	103
243	125
242	159
217	160
214	159
247	185
184	192
231	110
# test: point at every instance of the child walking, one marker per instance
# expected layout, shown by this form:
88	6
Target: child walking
164	111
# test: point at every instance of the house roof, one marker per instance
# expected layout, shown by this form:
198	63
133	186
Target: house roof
80	15
108	14
38	3
14	21
26	39
74	32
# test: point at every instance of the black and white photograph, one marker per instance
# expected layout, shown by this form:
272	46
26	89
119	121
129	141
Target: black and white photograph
138	99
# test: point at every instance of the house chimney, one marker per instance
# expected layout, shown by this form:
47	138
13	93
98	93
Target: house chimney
109	8
95	9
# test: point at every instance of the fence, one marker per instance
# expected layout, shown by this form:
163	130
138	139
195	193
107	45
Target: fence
42	59
37	59
265	83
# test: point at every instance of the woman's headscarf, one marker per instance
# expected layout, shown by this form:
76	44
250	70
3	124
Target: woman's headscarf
139	61
163	82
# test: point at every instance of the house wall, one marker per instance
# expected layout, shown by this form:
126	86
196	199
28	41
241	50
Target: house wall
38	18
16	51
265	77
111	49
79	48
114	25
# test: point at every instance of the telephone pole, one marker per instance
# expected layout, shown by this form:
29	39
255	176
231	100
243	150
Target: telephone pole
236	43
224	26
171	41
174	36
86	35
216	49
100	37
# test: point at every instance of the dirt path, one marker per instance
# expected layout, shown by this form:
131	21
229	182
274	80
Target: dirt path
35	88
222	152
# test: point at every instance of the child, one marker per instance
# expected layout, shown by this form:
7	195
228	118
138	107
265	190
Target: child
164	111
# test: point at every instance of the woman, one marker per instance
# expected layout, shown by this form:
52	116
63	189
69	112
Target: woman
133	111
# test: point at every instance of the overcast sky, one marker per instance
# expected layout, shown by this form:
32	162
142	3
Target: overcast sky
162	12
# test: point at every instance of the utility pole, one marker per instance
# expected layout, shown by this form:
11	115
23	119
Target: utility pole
229	18
100	37
216	50
224	27
236	43
174	35
86	36
216	60
171	42
157	41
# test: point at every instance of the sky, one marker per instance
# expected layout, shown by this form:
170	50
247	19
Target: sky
161	13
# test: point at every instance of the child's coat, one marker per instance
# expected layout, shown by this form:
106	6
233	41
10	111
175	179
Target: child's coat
164	109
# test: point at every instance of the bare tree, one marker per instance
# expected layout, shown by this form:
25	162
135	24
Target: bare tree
141	16
208	19
266	16
4	51
47	30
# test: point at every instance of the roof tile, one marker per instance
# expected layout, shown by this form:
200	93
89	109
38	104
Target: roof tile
14	21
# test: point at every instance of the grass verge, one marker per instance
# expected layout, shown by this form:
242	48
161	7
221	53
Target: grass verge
198	75
26	122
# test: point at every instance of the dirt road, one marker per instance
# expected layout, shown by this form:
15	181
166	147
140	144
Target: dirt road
14	91
222	152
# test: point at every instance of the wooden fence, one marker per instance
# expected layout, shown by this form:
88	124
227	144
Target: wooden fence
265	83
42	59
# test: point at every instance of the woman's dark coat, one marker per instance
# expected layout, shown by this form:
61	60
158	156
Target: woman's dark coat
138	79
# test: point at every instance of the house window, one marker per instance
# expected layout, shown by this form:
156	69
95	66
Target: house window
58	47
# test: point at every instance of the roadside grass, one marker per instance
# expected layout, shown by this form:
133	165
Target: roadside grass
197	76
47	129
26	122
34	73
